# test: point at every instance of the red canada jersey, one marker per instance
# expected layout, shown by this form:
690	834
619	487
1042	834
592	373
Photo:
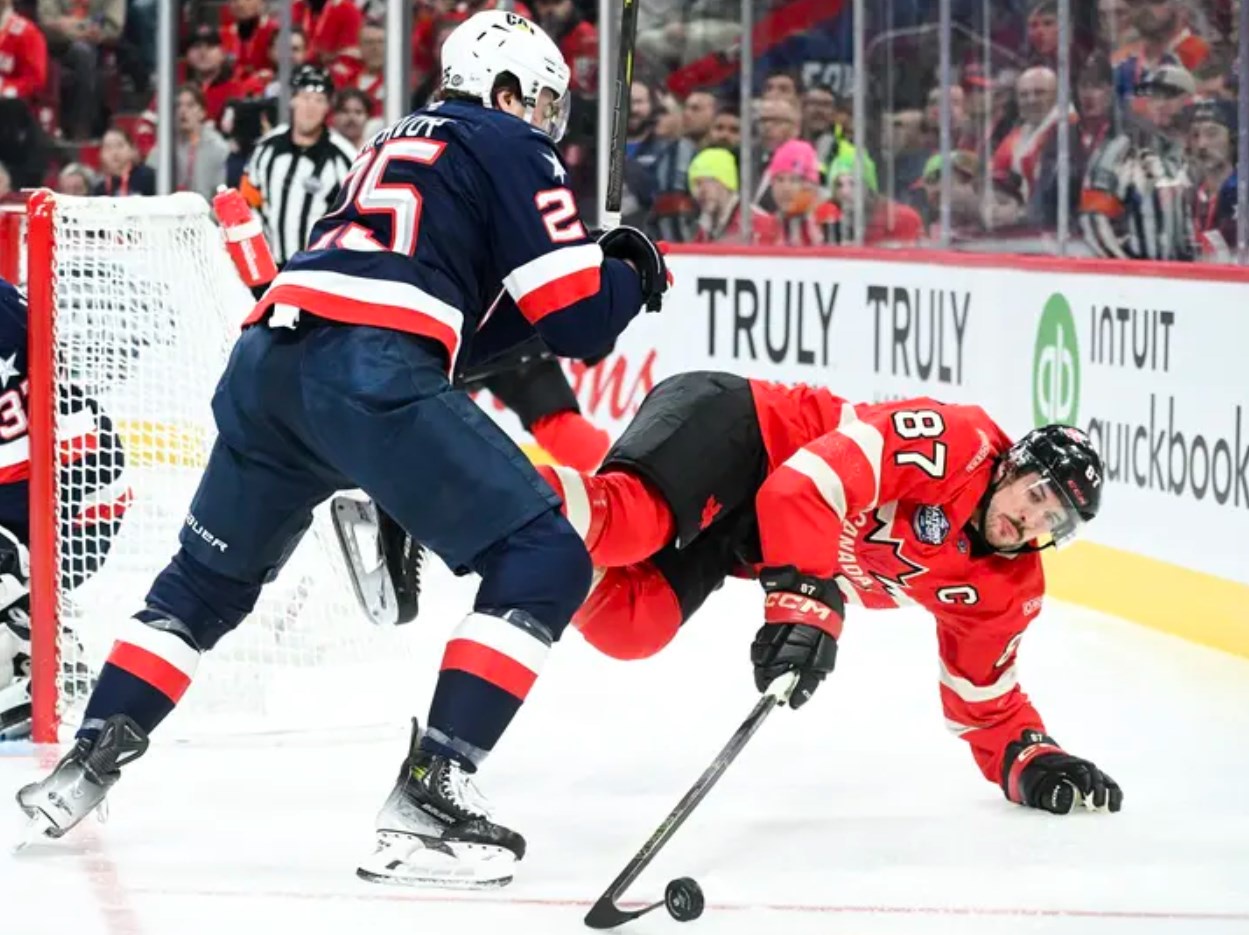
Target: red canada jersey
250	55
333	32
350	73
580	48
23	57
877	497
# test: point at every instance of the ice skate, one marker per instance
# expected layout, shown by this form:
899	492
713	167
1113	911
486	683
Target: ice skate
435	830
82	779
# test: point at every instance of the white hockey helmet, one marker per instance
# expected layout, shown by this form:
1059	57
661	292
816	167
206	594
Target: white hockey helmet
494	42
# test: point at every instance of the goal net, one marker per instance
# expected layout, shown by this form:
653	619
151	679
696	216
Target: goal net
134	308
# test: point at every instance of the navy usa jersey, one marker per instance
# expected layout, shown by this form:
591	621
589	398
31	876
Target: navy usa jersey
94	498
438	214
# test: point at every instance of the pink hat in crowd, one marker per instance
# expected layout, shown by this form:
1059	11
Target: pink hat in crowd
795	157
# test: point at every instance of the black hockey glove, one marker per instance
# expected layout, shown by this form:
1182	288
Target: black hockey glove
1039	774
803	617
629	243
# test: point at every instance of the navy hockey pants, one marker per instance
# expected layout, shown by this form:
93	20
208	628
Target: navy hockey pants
324	407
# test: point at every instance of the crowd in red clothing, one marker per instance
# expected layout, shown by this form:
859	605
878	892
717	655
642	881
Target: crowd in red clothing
1169	62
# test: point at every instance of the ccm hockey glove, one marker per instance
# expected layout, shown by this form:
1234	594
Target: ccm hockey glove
629	243
802	621
1039	774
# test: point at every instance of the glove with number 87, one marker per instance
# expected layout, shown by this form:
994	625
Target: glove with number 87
803	618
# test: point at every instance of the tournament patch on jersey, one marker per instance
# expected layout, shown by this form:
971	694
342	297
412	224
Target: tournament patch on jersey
930	524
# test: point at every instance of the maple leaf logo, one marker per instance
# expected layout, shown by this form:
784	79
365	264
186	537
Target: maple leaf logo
889	566
711	509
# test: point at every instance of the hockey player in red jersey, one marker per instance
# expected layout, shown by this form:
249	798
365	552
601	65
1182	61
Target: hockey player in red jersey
830	503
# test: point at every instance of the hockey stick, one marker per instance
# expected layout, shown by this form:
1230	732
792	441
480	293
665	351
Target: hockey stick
605	914
620	115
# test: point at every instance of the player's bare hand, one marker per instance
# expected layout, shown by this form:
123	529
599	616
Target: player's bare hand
1040	774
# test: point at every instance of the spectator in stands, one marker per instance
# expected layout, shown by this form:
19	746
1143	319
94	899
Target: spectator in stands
697	114
1164	40
201	152
819	121
779	122
642	150
23	79
140	34
1212	130
76	29
332	28
1095	99
75	179
781	84
208	67
247	39
726	130
366	74
965	199
668	122
713	178
1136	201
903	139
265	83
672	203
351	115
962	133
1115	29
687	31
889	222
1042	47
23	56
121	173
1017	161
805	218
576	37
1216	77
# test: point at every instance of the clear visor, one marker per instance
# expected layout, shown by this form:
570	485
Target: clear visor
550	113
1051	515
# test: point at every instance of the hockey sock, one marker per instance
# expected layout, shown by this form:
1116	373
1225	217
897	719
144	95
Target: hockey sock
631	613
621	517
489	665
572	439
147	671
531	584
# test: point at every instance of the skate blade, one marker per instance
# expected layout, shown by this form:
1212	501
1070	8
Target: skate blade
38	828
411	860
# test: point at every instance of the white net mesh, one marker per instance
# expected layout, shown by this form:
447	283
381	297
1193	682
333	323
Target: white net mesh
147	309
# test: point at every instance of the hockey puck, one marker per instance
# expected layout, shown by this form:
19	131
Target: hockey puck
684	900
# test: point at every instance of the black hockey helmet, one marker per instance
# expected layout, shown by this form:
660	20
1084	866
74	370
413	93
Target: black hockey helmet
312	78
1066	461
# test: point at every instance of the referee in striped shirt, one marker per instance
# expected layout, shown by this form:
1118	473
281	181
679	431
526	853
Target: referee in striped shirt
295	171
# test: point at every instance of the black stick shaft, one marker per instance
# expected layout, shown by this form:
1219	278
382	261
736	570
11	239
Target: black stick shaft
777	693
620	114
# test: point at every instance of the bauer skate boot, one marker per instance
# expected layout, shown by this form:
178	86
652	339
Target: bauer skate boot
435	830
82	779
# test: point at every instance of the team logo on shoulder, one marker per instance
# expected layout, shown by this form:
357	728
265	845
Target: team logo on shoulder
930	524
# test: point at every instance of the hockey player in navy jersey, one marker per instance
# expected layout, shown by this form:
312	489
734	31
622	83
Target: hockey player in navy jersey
341	380
94	498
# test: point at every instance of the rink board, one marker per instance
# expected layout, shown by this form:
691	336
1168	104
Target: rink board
1148	358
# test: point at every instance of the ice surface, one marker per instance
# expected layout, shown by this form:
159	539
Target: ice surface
859	814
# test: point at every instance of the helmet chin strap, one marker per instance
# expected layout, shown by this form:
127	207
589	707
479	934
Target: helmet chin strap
980	547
